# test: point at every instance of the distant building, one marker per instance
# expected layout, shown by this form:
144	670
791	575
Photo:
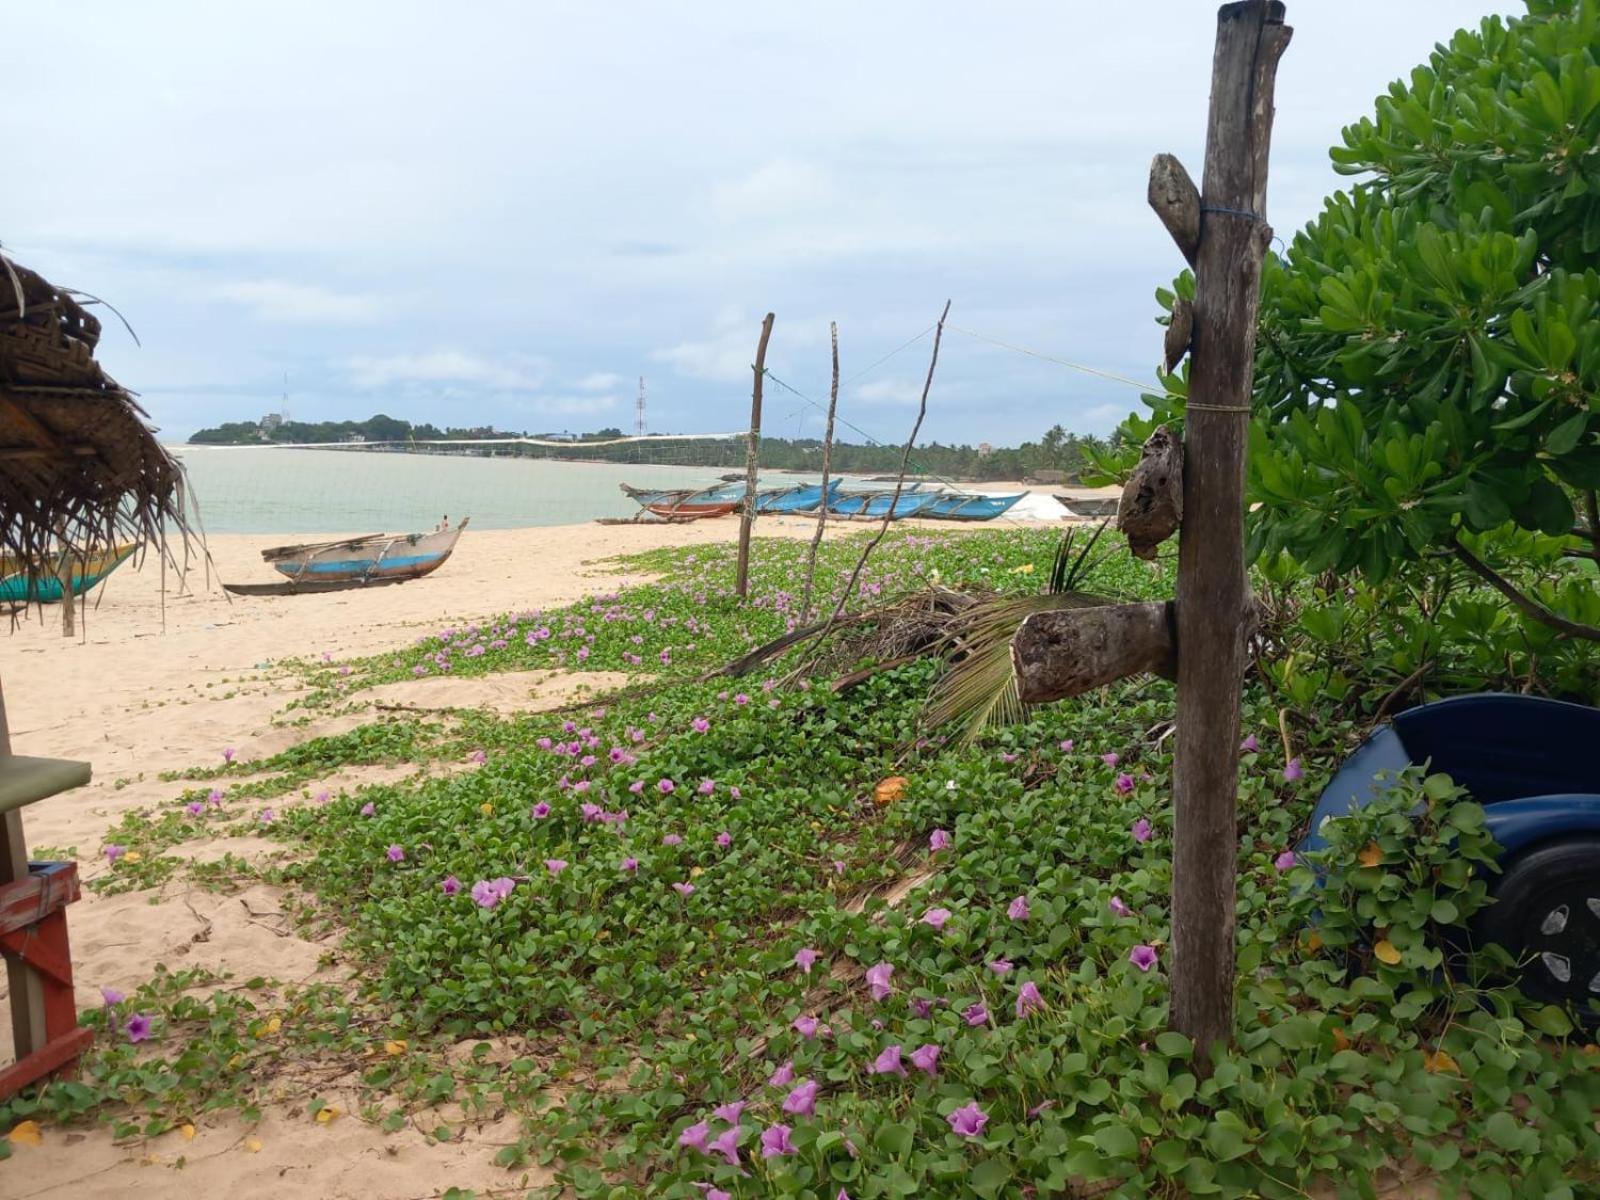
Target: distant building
1046	476
355	437
984	449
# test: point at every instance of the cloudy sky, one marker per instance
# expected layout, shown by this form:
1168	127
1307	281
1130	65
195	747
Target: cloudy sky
507	212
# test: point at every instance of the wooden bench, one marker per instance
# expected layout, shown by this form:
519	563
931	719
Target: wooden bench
33	924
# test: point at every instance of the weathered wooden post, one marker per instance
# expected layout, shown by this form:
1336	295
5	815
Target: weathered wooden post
1200	493
1213	594
747	517
827	458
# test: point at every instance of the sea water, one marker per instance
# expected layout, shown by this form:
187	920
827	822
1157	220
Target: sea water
250	489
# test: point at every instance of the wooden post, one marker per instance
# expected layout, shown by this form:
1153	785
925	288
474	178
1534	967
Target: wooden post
69	612
1213	594
747	519
827	455
27	992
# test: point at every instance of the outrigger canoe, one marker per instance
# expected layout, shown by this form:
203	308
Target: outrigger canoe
357	562
17	588
968	506
875	505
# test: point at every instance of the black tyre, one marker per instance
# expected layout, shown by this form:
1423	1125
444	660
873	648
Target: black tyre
1547	915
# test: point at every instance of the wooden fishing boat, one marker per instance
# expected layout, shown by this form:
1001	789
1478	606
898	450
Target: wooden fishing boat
693	508
877	505
17	588
798	499
969	506
360	562
646	496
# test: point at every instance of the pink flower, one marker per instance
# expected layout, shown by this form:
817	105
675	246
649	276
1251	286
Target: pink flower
695	1136
227	754
479	756
666	787
395	854
734	792
976	1014
1110	760
555	865
936	917
1141	830
1124	783
700	724
1001	966
925	1058
111	996
368	809
805	958
268	816
683	889
1285	861
1066	746
968	1121
775	1141
1292	772
783	1076
888	1063
489	892
806	1027
194	808
838	866
541	810
1017	910
630	864
450	885
878	980
707	786
636	786
802	1102
1143	957
729	1112
1250	745
920	1007
672	839
1029	1000
1119	908
938	840
138	1027
724	839
726	1144
114	851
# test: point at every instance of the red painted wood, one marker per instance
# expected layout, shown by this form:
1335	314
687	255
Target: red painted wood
33	927
57	1053
41	893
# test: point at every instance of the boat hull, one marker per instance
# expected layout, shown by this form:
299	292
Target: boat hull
879	505
17	588
700	509
964	507
376	559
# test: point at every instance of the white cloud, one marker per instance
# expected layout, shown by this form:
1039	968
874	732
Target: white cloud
724	357
281	300
445	366
599	381
780	186
568	405
889	391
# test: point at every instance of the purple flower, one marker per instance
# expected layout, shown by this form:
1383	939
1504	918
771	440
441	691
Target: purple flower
726	1144
1039	1108
489	892
630	864
1066	746
114	851
1110	760
395	854
707	786
976	1014
138	1027
802	1101
1250	745
215	797
724	839
1001	966
1141	830
450	885
672	839
112	997
324	797
683	889
1029	1000
194	808
1143	957
368	809
938	840
227	754
591	813
968	1121
1285	861
695	1136
775	1141
1119	908
667	787
268	816
888	1063
541	810
636	786
783	1076
735	793
741	698
700	724
921	1008
878	980
555	865
805	958
1017	910
838	866
1292	772
936	917
730	1112
479	756
925	1058
1124	783
806	1027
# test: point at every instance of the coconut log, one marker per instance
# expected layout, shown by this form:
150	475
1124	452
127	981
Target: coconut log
1072	651
1152	500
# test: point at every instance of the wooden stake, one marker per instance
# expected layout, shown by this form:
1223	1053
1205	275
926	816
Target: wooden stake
27	992
827	454
1212	590
747	519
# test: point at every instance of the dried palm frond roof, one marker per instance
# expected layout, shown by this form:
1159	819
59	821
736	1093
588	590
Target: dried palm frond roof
79	467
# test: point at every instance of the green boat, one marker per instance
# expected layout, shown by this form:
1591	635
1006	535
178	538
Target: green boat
16	588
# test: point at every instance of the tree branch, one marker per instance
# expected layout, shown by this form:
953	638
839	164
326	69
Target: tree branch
1523	602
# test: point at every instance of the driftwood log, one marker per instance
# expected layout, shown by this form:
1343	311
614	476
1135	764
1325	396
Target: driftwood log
1152	500
1067	653
1177	202
1179	330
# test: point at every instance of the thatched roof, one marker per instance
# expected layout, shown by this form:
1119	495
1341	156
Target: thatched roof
76	457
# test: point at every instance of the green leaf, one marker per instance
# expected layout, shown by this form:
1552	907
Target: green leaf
1116	1141
989	1176
895	1140
1564	437
1550	1020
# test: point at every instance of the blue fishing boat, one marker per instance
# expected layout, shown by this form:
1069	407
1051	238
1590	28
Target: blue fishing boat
876	505
356	562
802	498
17	588
969	506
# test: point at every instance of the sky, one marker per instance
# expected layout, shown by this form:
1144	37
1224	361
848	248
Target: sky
507	213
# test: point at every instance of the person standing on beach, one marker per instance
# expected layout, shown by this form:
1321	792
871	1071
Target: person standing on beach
443	524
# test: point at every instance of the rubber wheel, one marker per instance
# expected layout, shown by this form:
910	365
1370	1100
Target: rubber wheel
1547	915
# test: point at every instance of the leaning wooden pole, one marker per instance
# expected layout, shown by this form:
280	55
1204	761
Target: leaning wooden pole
747	517
827	457
1213	595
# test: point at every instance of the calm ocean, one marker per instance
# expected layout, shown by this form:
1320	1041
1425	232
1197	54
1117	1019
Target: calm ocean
262	490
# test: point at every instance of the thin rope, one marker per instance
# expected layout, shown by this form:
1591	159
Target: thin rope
1232	212
1062	362
903	346
1222	408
